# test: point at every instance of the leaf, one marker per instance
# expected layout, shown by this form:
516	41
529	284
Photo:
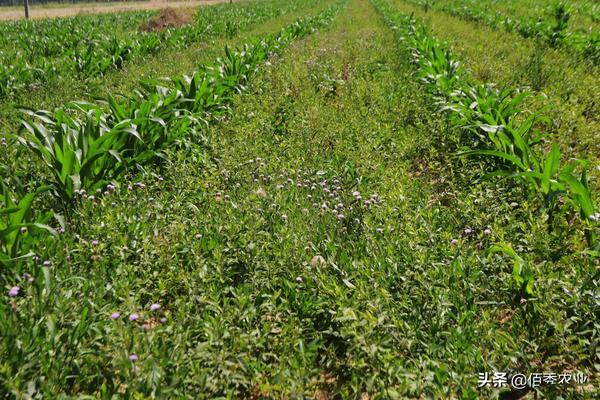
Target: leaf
551	167
582	196
491	128
499	154
521	273
348	283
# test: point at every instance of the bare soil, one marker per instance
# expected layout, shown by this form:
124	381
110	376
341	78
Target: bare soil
167	18
12	13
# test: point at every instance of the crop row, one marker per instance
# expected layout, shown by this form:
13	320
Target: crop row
495	127
83	46
584	13
53	36
87	147
555	31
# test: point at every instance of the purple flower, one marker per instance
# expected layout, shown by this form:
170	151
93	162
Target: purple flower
133	357
47	263
454	242
487	231
155	307
133	317
14	291
115	315
163	320
95	243
468	231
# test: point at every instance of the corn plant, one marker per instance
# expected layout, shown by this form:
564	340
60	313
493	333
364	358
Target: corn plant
522	273
435	64
81	45
19	224
491	115
205	92
502	130
85	153
590	47
553	30
90	60
558	31
80	154
545	176
157	116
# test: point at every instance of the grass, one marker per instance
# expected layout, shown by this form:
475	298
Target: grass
387	291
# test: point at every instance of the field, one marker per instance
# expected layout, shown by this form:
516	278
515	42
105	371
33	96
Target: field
53	10
308	199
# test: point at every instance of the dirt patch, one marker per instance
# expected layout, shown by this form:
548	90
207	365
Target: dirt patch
54	11
167	18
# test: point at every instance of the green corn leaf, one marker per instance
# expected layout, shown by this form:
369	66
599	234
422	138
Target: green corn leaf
499	154
581	195
521	273
551	167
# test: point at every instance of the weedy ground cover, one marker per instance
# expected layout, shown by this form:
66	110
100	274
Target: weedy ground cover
120	83
551	26
565	88
584	14
320	239
492	116
84	153
88	46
